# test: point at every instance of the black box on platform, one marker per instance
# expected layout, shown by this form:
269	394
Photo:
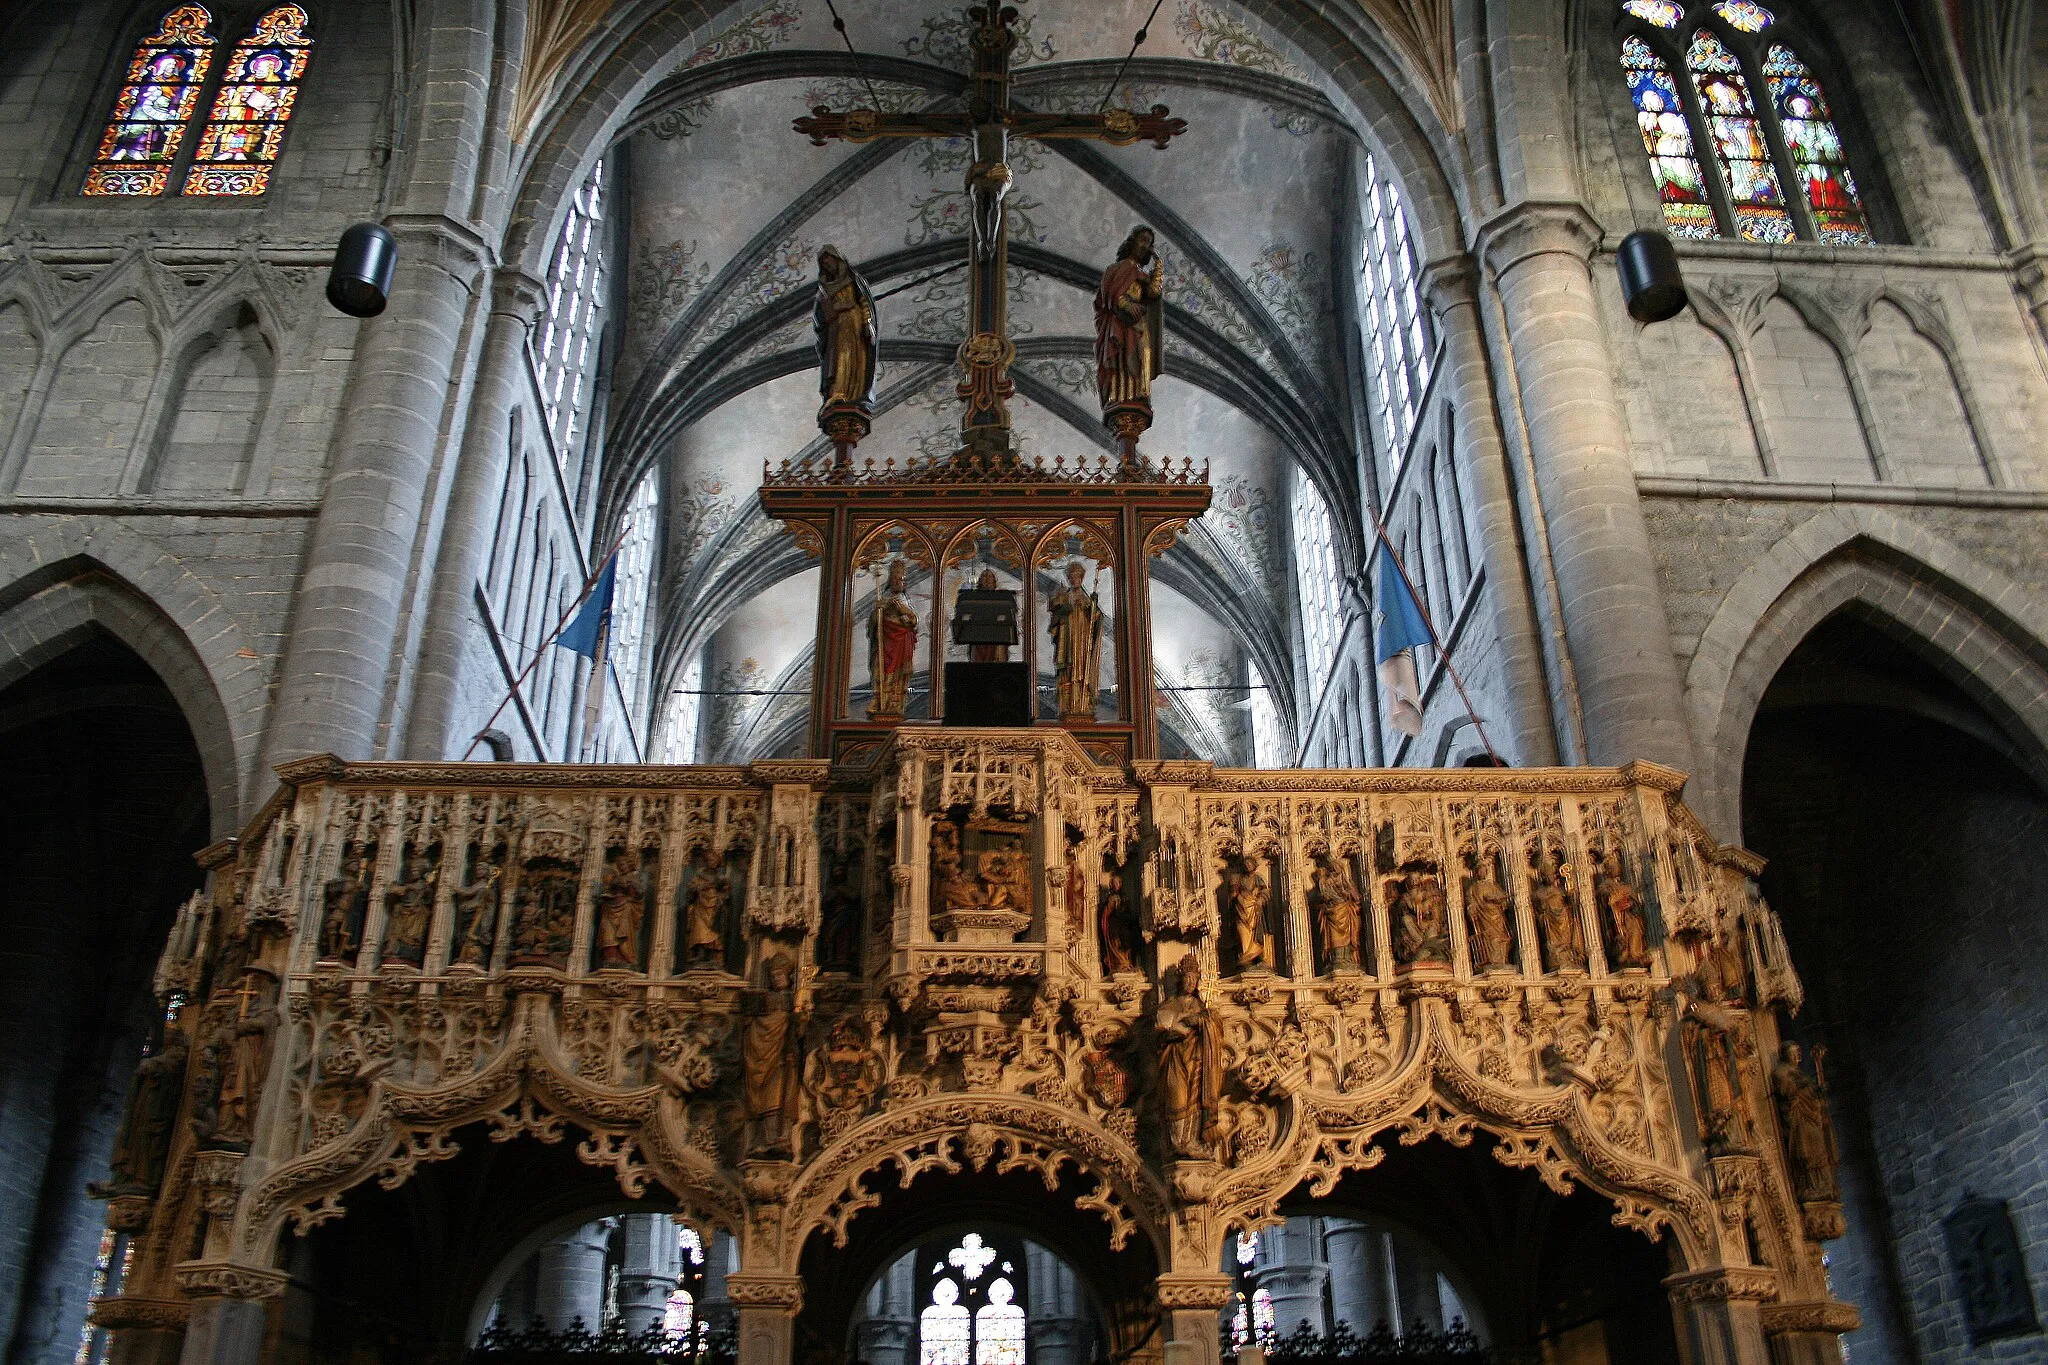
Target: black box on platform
988	694
985	616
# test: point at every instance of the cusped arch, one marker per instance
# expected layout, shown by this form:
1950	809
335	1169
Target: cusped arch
67	578
1987	631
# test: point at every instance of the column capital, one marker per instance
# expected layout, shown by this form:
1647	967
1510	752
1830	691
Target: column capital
1724	1284
1451	282
518	295
1821	1315
228	1280
449	242
753	1290
1537	227
1194	1291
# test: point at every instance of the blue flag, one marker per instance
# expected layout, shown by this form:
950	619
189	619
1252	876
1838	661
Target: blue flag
1402	627
580	635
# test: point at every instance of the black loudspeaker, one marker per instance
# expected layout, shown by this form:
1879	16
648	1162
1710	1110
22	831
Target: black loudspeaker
360	282
1650	279
988	694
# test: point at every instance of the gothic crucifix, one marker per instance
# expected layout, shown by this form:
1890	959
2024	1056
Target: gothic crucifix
988	123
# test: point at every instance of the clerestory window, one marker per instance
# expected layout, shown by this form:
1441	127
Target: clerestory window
1722	77
140	151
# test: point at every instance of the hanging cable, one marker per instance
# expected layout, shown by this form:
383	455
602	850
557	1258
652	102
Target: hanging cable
874	100
921	279
1136	43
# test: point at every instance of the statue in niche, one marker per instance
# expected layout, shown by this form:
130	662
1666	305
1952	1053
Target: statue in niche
1622	907
1335	903
1713	1041
1489	914
839	918
240	1056
1075	890
144	1138
1005	879
1130	334
1809	1136
1076	630
1190	1067
1119	928
844	319
621	912
770	1042
476	916
1249	895
1557	913
1421	914
953	887
704	918
409	912
892	645
544	921
344	905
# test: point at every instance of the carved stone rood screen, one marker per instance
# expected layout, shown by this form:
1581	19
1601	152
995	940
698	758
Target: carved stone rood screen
775	994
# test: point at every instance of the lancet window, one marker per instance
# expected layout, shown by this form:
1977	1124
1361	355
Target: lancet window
1269	744
1316	582
566	352
632	593
972	1317
685	710
243	131
1748	99
1397	338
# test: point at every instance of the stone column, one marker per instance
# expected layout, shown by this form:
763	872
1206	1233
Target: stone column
572	1278
224	1331
1615	627
379	511
1452	287
1415	1282
767	1306
650	1270
1360	1275
1291	1268
715	1305
885	1335
1192	1305
1059	1330
473	513
1718	1314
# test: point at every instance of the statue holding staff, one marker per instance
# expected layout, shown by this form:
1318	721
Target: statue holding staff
1076	630
892	645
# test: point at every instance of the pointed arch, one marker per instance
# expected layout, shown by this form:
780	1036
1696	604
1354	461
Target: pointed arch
259	89
154	106
1987	632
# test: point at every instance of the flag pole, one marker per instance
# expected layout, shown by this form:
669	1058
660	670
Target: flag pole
600	683
1436	642
541	652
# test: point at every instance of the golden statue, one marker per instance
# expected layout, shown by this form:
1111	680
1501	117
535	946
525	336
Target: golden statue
1076	631
1129	324
1190	1067
892	646
844	317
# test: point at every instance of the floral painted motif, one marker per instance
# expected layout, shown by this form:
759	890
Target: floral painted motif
1215	36
1076	377
773	23
728	716
1212	714
786	267
946	41
683	120
704	510
1241	518
938	312
1662	13
665	280
1292	284
851	92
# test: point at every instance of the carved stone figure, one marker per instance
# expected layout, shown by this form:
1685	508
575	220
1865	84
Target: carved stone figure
1712	1034
345	904
1119	929
1422	924
1075	892
243	1060
953	888
1809	1136
769	1061
621	912
1248	897
1488	915
409	912
1005	879
476	917
704	918
1129	335
1334	901
844	319
1076	630
144	1138
839	918
1622	907
892	645
1190	1067
544	921
1557	914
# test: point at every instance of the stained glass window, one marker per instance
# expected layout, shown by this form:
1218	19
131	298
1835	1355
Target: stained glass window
1744	15
944	1328
1397	341
1262	1316
257	93
1668	139
1745	157
1818	163
153	108
999	1327
1662	13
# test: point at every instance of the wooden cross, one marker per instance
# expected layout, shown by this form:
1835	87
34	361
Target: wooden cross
248	992
987	124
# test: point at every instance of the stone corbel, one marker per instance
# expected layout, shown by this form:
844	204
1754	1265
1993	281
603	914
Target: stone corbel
1724	1284
1180	1292
784	1292
1820	1315
124	1314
